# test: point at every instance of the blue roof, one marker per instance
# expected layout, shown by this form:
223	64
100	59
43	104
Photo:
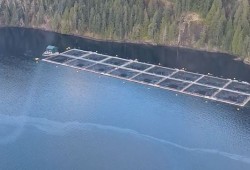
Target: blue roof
50	47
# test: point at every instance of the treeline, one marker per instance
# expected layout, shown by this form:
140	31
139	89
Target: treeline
224	24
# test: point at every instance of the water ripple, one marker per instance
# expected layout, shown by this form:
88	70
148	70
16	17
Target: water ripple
61	128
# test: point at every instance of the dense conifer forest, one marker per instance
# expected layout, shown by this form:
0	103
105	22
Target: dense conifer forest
214	25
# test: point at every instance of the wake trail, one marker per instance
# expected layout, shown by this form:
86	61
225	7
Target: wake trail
62	128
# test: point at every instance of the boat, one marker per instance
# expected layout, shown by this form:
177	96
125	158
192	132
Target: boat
51	51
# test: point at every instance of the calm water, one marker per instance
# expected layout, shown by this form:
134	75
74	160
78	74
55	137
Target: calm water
57	118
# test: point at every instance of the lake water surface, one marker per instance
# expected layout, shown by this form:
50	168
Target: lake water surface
53	117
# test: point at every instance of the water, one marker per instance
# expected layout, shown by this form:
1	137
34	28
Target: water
57	118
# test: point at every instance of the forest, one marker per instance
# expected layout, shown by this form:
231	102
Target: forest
213	25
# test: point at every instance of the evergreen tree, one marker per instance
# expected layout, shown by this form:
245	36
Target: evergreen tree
222	25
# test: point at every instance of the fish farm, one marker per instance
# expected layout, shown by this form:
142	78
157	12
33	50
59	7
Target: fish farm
205	86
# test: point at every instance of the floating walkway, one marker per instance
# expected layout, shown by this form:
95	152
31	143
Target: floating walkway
205	86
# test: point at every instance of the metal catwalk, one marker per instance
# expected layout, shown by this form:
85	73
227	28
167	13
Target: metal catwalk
205	86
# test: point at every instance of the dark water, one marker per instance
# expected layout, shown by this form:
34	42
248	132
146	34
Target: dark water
57	118
35	41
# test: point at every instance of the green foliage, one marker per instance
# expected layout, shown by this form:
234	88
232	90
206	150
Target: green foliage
226	23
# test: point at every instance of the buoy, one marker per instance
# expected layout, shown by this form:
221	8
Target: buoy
36	59
238	109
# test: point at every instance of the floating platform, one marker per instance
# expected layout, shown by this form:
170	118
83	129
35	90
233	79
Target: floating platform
205	86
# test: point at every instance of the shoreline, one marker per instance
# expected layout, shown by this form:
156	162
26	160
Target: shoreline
247	61
236	58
